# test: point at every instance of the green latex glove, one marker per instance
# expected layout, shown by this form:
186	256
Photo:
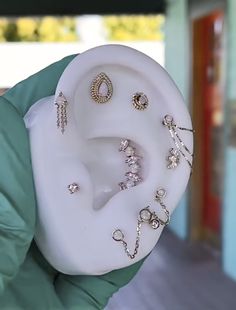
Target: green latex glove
27	281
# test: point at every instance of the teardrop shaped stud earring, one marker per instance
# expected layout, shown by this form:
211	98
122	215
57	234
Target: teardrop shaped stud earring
101	88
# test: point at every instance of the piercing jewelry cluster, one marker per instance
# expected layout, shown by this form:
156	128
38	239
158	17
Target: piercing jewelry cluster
101	91
145	216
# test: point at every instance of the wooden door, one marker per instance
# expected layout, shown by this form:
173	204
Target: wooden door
208	121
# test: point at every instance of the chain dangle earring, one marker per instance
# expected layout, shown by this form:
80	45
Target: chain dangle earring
61	104
119	237
145	216
181	148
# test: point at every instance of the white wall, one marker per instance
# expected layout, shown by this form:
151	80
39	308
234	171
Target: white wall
19	60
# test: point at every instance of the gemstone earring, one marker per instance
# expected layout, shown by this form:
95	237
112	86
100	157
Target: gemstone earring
173	158
73	188
149	217
61	104
140	101
101	88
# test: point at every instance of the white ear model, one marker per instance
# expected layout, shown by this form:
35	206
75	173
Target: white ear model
102	204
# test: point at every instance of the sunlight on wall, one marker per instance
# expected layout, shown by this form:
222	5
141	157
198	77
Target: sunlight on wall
28	45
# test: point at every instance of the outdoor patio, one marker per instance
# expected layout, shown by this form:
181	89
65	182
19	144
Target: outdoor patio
178	276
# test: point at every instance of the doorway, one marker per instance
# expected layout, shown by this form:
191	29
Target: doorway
208	120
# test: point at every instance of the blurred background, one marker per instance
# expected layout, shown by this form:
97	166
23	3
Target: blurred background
194	264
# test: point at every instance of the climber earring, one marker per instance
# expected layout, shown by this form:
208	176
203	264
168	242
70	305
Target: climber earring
61	104
168	121
101	88
140	101
133	162
73	188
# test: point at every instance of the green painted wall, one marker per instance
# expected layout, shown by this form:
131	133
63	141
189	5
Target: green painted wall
229	208
177	64
229	216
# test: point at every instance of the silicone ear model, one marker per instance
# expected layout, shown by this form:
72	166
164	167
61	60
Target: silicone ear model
77	172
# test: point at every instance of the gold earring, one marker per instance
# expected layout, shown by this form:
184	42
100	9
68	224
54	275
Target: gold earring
101	88
140	101
61	104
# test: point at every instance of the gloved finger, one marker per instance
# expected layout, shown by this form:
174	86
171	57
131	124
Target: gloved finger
92	292
17	201
33	287
37	86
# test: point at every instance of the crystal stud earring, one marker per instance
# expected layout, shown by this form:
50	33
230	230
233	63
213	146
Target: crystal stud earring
73	188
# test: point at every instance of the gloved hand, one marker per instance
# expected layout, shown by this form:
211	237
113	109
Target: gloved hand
27	281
